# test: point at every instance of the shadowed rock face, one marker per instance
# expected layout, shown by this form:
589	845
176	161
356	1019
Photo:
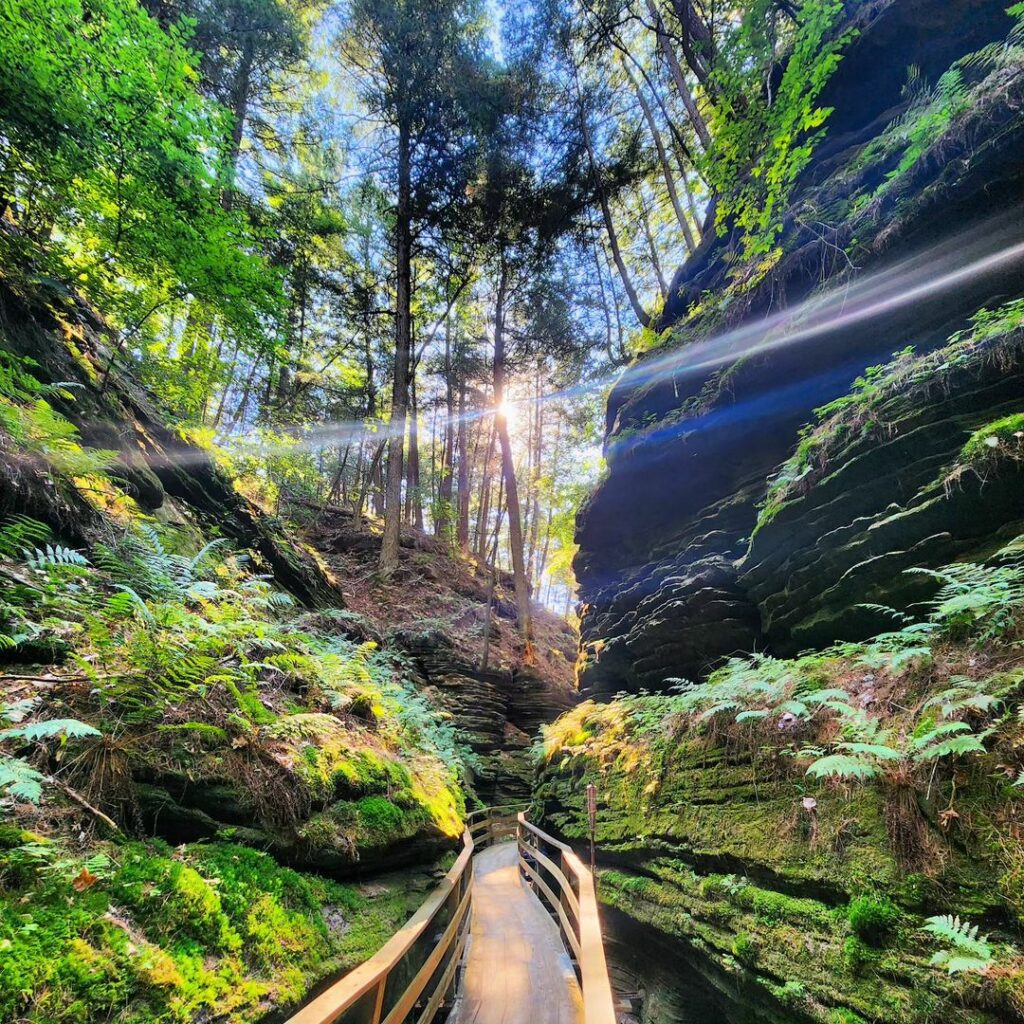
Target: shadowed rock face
496	713
670	580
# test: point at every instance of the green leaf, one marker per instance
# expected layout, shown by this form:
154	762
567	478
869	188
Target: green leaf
67	728
883	753
842	766
953	747
20	780
751	716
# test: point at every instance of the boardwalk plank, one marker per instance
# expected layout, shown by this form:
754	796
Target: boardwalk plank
517	970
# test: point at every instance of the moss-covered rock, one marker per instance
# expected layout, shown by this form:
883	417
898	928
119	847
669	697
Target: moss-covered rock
792	898
142	932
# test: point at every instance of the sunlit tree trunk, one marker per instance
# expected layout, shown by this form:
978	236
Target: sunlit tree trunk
652	248
413	497
443	522
491	580
462	526
483	511
663	163
689	103
515	521
403	342
609	225
535	477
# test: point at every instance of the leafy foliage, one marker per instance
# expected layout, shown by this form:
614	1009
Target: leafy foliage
106	137
970	952
763	142
200	654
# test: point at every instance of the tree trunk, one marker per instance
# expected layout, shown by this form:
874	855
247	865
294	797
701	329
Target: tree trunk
485	497
240	110
515	519
652	248
679	78
443	522
606	214
462	522
492	579
413	497
535	476
239	414
403	340
372	473
698	46
615	306
666	169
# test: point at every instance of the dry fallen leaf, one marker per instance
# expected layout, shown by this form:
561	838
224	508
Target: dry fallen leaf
85	880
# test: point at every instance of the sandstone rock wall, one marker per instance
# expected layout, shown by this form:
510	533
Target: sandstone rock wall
880	250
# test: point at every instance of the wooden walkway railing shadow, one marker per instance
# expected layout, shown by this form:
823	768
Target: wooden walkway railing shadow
414	976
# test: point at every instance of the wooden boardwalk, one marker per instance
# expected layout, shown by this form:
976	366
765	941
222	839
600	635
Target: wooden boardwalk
517	970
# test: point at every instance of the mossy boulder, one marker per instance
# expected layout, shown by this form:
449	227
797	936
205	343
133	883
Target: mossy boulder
142	932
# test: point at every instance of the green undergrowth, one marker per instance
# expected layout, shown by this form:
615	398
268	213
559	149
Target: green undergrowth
141	932
159	681
194	664
167	656
884	392
847	820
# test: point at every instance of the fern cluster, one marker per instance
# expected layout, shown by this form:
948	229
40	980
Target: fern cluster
788	705
173	644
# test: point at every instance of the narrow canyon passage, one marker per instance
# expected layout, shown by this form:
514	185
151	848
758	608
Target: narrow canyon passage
517	971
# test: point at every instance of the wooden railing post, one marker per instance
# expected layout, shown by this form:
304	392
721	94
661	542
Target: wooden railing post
378	1006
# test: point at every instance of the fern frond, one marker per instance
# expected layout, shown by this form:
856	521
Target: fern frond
197	562
842	766
943	729
63	728
971	951
954	747
20	780
879	750
751	716
20	532
54	555
717	709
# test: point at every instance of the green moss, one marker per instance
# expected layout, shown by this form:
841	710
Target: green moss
169	937
1002	438
857	956
380	818
744	948
872	917
774	907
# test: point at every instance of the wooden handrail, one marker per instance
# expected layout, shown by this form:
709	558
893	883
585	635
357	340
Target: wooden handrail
576	909
349	992
364	995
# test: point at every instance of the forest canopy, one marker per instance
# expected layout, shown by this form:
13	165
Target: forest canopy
334	239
